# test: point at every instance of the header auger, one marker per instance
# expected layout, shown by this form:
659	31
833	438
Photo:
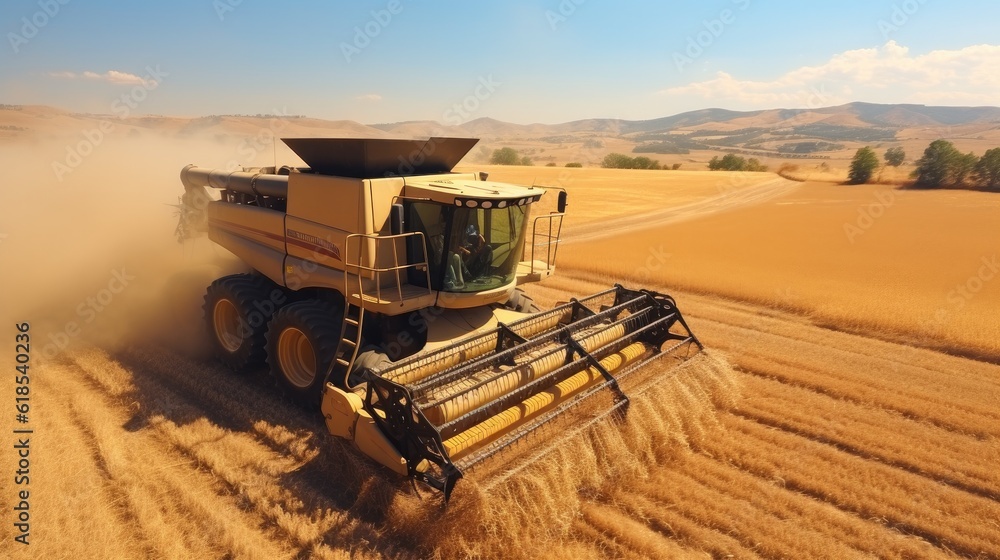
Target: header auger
383	287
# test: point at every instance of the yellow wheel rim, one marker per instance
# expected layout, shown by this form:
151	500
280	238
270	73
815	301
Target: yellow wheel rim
226	320
296	357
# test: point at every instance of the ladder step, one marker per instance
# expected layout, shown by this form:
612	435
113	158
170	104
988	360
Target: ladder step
351	335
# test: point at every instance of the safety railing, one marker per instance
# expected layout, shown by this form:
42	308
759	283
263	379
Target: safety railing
361	270
549	240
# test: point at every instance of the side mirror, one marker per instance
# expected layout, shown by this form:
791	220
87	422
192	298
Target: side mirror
397	224
562	202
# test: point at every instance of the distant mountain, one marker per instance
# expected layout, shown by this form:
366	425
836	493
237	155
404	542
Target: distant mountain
774	133
858	115
902	115
688	119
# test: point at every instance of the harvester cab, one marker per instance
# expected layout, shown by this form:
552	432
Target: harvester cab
391	285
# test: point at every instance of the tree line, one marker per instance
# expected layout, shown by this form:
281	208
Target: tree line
733	162
941	165
615	160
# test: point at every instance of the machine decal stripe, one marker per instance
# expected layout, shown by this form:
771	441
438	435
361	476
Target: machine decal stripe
318	249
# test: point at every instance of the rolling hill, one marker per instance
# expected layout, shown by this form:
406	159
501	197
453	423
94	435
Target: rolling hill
774	134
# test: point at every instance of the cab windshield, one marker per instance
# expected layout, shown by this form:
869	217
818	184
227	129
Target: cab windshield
470	249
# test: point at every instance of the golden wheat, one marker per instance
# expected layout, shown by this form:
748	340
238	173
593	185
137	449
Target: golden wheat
824	442
867	258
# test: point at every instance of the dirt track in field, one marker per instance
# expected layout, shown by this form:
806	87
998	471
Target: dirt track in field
839	446
728	198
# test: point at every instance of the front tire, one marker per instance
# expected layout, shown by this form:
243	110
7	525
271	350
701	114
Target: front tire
302	340
237	309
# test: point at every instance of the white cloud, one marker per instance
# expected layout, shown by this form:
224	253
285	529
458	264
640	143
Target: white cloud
116	77
369	97
111	76
888	74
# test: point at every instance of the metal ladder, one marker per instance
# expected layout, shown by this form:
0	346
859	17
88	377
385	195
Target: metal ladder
350	340
354	314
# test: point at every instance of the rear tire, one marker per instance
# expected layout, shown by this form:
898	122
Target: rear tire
302	340
237	310
521	302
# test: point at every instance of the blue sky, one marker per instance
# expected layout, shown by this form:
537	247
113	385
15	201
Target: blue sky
520	61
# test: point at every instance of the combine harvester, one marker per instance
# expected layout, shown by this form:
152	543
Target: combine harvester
384	287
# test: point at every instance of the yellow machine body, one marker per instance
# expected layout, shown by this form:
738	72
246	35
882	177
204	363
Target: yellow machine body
397	307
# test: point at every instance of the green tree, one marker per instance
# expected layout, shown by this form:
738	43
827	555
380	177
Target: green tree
615	160
987	171
935	167
895	157
733	162
574	164
621	161
964	165
754	164
728	162
863	166
505	156
526	161
643	162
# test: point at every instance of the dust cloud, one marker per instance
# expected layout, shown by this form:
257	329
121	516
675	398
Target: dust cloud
88	250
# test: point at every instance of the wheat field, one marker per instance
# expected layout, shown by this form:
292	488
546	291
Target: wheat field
796	435
920	266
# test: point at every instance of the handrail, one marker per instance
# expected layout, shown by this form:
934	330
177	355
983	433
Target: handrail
358	268
551	241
